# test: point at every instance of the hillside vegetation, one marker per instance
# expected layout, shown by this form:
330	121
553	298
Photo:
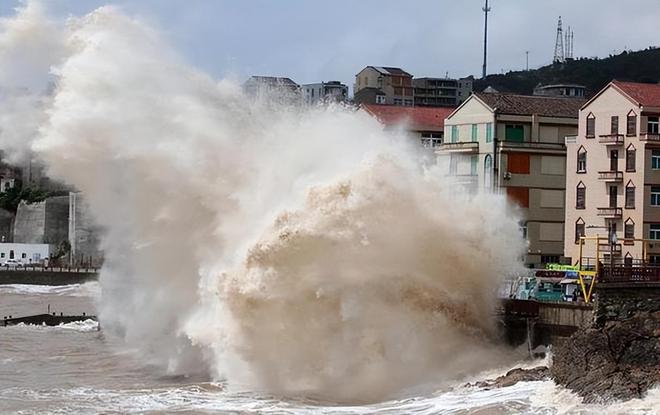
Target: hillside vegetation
640	66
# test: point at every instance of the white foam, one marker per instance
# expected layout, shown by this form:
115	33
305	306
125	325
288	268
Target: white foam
87	289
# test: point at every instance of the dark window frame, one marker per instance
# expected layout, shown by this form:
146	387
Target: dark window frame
631	124
591	126
631	158
580	196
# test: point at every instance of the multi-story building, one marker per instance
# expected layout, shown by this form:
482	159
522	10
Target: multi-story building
394	84
515	144
441	92
425	124
613	174
560	90
273	88
332	91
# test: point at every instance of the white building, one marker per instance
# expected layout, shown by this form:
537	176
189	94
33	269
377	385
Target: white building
332	91
24	253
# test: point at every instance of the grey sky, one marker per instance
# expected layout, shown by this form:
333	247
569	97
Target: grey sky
311	40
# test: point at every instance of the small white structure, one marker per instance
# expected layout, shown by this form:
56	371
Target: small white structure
24	253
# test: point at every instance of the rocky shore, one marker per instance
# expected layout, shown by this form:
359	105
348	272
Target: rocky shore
618	358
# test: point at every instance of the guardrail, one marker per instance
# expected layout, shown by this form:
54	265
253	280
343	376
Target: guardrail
629	274
37	268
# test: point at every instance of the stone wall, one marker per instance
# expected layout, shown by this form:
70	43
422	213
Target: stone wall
29	223
84	234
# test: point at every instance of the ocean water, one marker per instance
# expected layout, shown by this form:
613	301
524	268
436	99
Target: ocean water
78	369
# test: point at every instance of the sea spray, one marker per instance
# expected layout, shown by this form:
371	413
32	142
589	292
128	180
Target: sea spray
297	251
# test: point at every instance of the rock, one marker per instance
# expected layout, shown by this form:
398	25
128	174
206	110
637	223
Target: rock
618	361
514	376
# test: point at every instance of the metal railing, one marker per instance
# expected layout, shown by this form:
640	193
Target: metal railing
41	268
649	137
629	274
611	175
614	139
610	212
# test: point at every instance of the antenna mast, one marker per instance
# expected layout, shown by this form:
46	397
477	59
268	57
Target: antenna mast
486	9
559	45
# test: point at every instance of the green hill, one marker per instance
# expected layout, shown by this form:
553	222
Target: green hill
640	66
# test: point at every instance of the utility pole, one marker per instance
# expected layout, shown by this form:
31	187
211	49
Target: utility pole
486	9
527	60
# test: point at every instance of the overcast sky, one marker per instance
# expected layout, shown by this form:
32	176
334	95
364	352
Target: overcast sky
311	41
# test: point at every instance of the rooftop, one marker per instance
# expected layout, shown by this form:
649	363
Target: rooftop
272	80
562	107
417	118
389	70
646	95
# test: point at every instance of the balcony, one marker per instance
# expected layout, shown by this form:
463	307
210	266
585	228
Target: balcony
467	180
611	176
605	248
611	139
610	212
462	147
649	137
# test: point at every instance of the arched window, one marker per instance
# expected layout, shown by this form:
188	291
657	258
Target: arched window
582	160
631	123
631	153
591	125
630	195
629	231
488	171
580	196
579	229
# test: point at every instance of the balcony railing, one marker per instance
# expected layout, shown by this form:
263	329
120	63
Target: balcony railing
606	248
611	139
531	145
462	147
630	274
610	176
649	137
610	212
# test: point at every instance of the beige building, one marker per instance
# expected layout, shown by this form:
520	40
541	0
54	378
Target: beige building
515	144
613	173
383	85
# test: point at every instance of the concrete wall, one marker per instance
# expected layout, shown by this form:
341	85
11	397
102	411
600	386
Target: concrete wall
30	222
83	233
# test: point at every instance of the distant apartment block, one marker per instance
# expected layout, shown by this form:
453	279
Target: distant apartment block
271	87
425	124
324	92
613	175
383	85
561	90
515	144
441	92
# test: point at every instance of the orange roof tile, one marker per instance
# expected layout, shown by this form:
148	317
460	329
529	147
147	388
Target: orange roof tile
417	118
647	95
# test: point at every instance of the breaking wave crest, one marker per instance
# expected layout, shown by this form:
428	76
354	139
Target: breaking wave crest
298	251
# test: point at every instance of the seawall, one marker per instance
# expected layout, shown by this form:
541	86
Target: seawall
46	277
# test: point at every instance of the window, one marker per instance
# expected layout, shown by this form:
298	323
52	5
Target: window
474	132
614	125
489	132
580	196
23	255
631	121
488	171
523	229
654	231
474	162
549	259
519	195
655	195
591	126
654	259
431	140
514	133
630	196
631	153
614	160
579	229
380	99
398	101
518	163
2	255
582	160
454	133
629	229
652	125
655	159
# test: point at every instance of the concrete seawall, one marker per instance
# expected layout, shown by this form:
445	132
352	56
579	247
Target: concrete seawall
46	277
